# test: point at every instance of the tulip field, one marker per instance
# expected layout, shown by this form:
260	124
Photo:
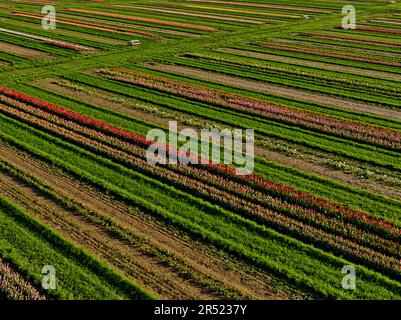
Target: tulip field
79	195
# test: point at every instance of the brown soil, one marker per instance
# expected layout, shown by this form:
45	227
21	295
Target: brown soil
316	168
148	270
22	51
298	94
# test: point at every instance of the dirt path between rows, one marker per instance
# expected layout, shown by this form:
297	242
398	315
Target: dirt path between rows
298	94
23	52
233	276
297	163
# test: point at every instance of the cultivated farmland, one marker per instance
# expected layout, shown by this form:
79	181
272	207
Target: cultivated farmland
79	195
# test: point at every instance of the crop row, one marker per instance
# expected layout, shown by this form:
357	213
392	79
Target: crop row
304	74
256	47
320	85
234	202
357	131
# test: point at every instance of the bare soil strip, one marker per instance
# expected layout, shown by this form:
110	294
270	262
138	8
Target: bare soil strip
148	270
298	94
314	64
298	163
23	52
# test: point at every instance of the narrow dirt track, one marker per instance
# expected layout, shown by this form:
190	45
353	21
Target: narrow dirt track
298	94
233	276
298	163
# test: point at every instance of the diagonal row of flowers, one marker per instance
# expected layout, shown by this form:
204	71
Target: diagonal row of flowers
363	132
311	233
